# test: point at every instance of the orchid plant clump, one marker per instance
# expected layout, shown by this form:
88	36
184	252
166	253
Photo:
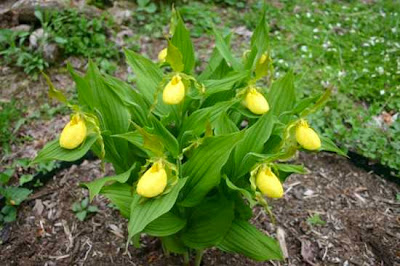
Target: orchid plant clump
192	153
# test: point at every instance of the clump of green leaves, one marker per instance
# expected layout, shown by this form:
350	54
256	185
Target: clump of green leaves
13	191
196	133
14	50
78	35
71	31
82	209
13	196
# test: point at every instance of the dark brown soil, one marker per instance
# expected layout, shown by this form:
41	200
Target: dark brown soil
361	214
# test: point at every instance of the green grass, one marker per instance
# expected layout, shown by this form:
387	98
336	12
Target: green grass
354	48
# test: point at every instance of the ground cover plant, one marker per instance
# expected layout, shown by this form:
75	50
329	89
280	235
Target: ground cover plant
193	153
61	34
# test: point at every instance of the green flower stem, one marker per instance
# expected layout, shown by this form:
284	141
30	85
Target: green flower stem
186	261
199	256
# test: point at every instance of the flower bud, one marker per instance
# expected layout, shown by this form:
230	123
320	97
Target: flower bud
256	102
153	181
74	133
262	59
174	91
307	137
268	183
162	55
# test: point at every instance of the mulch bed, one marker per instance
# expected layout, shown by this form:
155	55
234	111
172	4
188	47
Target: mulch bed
361	213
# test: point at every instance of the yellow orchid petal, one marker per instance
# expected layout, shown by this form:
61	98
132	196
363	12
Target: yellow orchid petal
74	133
174	91
153	181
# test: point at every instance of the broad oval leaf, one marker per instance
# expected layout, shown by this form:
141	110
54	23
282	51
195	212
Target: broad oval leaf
204	167
165	225
96	185
143	213
208	223
120	195
53	151
245	239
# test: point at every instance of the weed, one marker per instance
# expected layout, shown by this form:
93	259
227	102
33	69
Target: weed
82	209
316	220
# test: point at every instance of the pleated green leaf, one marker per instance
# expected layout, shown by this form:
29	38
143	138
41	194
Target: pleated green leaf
148	79
282	96
174	58
144	211
254	139
245	239
224	125
225	51
328	145
204	167
120	195
53	151
96	185
165	225
215	64
218	85
181	39
208	223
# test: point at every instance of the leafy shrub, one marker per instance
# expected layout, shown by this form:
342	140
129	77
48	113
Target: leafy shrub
192	153
14	51
78	35
74	34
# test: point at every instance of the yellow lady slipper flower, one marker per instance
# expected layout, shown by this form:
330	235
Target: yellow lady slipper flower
307	137
162	55
74	133
174	91
268	183
256	102
153	181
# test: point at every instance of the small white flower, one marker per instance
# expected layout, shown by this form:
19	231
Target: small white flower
308	14
315	30
382	92
304	48
394	30
341	73
380	70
